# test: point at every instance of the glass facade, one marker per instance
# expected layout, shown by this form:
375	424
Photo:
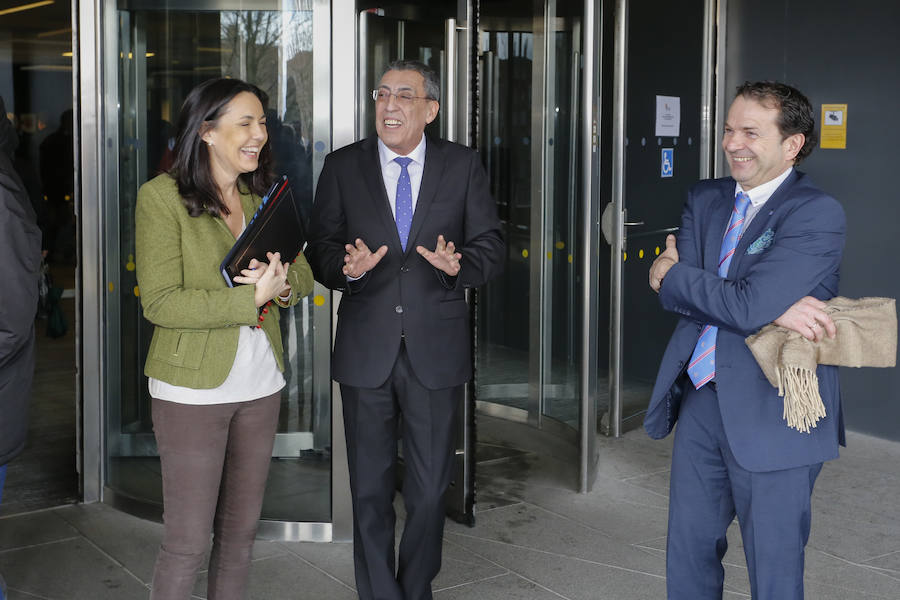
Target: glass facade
522	86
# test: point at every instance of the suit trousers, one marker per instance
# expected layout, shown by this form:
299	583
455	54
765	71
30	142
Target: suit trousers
708	488
215	460
372	420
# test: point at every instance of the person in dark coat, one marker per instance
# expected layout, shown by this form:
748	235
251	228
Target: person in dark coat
20	246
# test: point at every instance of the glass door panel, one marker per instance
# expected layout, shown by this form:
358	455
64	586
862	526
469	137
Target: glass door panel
162	55
562	193
536	352
407	31
528	334
506	45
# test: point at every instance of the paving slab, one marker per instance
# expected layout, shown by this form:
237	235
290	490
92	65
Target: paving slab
33	528
68	569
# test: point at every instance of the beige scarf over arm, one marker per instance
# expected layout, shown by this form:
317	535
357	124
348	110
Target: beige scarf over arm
866	337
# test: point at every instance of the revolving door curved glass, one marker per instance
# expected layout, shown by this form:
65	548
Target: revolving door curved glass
153	57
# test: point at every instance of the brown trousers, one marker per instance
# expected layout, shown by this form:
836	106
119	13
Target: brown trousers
215	460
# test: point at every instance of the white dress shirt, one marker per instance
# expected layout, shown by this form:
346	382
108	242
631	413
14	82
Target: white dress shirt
390	172
760	194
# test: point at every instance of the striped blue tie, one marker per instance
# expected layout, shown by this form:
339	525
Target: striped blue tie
403	210
702	367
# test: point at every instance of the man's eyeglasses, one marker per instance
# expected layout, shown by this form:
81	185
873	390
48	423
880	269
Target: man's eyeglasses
403	98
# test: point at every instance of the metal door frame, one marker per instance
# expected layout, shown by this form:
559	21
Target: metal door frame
590	258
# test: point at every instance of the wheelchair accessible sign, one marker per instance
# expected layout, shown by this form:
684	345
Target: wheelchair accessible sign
667	162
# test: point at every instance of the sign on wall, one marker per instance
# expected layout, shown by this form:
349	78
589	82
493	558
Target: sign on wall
834	126
668	116
667	162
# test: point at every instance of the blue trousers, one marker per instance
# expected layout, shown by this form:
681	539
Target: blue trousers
708	488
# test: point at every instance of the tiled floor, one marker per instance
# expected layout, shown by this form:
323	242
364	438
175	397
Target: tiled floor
534	538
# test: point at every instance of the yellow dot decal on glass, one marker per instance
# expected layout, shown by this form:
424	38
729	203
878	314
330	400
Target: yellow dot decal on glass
641	253
657	250
525	253
560	245
319	300
130	264
570	259
137	291
624	256
111	286
549	255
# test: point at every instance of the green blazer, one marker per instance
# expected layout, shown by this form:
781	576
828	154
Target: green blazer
196	315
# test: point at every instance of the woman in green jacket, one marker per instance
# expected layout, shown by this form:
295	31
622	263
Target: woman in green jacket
215	359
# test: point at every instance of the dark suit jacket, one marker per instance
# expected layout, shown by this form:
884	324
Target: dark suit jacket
20	246
404	294
792	248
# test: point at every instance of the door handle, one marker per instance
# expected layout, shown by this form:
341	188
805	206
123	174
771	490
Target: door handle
606	222
654	232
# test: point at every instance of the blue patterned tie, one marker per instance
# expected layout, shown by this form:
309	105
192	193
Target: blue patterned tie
403	211
702	367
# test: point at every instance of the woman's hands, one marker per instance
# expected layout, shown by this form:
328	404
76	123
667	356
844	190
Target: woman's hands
269	278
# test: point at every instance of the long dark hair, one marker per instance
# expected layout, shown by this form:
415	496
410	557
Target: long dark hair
190	167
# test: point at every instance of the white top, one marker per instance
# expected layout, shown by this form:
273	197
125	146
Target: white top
760	194
254	374
390	172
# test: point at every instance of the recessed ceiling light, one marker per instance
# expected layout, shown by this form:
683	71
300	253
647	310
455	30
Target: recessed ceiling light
55	32
46	68
22	7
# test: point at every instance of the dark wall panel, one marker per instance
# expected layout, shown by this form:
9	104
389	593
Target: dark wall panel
665	58
836	53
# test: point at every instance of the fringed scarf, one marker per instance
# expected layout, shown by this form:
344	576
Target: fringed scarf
866	337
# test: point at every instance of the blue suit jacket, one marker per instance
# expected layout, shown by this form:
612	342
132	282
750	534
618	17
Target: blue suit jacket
792	248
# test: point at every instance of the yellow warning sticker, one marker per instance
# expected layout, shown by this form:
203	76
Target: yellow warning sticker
834	126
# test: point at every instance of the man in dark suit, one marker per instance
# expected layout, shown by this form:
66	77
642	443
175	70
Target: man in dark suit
402	345
761	246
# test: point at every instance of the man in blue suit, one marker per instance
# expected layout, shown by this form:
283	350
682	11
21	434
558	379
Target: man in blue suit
761	246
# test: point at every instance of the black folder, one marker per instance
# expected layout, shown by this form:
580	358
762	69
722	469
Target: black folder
276	227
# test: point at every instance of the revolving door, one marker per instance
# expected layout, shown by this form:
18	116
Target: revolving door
155	56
